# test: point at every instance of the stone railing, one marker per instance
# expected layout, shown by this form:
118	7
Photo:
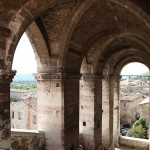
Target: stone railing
135	143
17	94
27	140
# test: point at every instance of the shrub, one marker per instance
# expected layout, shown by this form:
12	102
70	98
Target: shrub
139	129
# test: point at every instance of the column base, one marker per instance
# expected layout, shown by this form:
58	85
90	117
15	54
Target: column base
111	147
101	147
80	147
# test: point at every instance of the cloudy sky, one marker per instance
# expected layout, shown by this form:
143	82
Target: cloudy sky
134	69
24	60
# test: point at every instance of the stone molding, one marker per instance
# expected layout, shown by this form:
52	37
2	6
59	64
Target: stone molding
112	77
91	77
56	76
7	75
97	76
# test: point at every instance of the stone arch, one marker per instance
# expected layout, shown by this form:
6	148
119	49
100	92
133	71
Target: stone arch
26	20
86	67
39	46
21	21
111	64
126	61
134	9
72	57
100	60
119	58
102	42
71	25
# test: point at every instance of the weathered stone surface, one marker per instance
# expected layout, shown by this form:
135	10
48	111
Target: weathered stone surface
25	140
135	143
57	110
55	18
5	79
90	111
105	34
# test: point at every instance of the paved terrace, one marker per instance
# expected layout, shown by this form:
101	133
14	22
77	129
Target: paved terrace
126	148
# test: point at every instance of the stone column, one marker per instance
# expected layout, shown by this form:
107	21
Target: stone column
58	110
91	111
116	114
5	125
107	116
111	111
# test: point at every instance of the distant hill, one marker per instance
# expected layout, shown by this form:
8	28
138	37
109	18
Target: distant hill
21	77
145	74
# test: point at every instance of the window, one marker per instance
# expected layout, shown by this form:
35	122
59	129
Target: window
13	114
124	104
84	123
34	119
19	115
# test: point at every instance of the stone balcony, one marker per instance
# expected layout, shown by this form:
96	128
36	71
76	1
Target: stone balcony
129	143
35	140
27	140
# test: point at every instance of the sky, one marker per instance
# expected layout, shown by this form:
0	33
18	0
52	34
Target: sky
24	60
134	69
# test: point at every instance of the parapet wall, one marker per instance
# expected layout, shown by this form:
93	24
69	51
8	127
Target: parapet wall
136	143
27	140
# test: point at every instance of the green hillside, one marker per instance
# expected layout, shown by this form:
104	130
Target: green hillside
20	77
145	74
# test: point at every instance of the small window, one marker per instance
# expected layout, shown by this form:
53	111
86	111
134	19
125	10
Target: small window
19	115
57	85
84	123
98	124
13	114
34	119
125	105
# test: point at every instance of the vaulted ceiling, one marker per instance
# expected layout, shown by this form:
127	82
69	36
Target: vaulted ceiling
74	29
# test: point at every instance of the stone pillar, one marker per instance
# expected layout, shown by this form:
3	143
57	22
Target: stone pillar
107	116
116	114
111	111
5	125
91	111
58	110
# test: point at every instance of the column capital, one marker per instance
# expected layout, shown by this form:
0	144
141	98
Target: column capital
116	78
7	75
56	76
91	76
112	77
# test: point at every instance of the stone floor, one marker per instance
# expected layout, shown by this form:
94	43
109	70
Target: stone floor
125	148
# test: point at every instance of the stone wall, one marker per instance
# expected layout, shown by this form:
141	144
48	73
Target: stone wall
144	110
136	143
105	113
130	110
16	95
90	111
24	113
27	140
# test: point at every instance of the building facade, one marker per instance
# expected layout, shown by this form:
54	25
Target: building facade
24	113
144	109
17	94
130	110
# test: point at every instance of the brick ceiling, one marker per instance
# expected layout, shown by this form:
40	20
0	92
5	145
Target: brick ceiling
80	26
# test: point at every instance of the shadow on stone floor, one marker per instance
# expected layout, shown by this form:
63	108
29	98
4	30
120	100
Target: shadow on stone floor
126	148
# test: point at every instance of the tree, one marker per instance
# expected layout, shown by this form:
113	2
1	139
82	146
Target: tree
140	129
130	89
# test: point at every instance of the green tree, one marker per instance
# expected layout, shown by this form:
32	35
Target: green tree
140	129
130	89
